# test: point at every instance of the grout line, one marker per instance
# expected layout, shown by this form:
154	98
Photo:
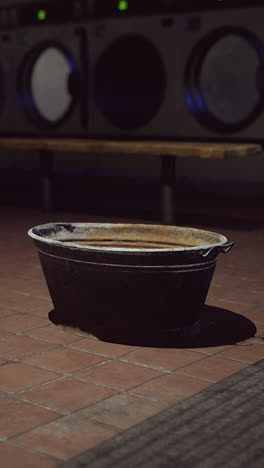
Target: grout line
204	357
210	354
62	374
23	312
24	333
98	423
27	333
153	379
114	389
19	293
144	397
9	310
197	378
31	450
7	331
63	417
250	363
20	360
146	365
54	410
71	346
225	299
37	426
28	294
60	377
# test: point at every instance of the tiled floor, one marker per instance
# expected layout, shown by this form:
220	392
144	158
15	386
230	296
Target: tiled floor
61	393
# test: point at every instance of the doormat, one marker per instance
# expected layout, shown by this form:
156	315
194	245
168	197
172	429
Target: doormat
221	426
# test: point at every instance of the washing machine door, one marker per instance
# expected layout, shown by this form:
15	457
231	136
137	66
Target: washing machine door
130	82
223	79
48	84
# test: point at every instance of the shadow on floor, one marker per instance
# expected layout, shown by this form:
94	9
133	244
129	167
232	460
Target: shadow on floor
218	327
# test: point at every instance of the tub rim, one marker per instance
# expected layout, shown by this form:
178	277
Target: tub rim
222	240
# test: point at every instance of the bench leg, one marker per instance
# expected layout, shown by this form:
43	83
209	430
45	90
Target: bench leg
168	180
46	166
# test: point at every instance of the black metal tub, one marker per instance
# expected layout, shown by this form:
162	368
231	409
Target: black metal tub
112	279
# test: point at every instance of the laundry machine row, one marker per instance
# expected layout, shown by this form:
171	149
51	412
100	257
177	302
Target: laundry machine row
192	75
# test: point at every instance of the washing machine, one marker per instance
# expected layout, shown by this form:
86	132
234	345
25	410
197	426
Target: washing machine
192	75
134	69
42	85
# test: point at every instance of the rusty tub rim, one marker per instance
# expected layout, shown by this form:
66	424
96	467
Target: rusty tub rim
66	229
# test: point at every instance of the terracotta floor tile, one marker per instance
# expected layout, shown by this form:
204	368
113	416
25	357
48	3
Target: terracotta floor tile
259	334
65	360
213	368
17	377
43	312
5	334
213	301
24	303
171	388
211	349
67	394
247	352
41	293
54	334
256	315
3	361
228	305
15	457
31	272
216	291
6	312
25	286
255	285
18	416
122	411
118	374
3	395
246	297
169	359
228	282
19	347
12	283
39	288
106	349
66	438
22	322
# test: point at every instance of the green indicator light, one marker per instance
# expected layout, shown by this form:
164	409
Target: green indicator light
122	5
42	15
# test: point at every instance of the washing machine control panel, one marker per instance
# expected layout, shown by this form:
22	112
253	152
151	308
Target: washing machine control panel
46	12
149	7
61	11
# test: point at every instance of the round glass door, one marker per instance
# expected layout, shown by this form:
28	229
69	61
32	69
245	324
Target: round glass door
45	84
223	80
130	82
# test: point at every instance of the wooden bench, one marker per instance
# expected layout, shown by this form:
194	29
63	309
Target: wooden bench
167	151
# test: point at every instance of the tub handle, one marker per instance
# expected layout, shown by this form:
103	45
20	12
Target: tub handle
220	249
